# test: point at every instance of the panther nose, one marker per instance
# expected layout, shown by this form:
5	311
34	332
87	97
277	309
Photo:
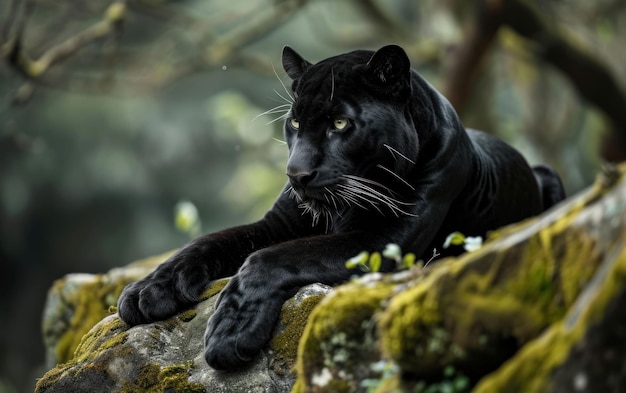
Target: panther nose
301	178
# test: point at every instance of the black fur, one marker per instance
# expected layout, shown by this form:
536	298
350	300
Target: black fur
376	156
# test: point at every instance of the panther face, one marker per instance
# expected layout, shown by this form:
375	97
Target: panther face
351	141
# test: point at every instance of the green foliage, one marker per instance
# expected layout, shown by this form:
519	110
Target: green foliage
373	262
469	243
367	262
360	260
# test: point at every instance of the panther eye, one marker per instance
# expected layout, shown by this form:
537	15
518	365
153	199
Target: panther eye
294	123
340	123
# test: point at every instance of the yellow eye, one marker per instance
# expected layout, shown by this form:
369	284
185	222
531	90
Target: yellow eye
340	123
294	123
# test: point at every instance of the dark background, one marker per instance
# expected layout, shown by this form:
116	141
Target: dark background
106	123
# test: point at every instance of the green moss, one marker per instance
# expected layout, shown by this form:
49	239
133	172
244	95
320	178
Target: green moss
91	306
154	379
338	328
176	378
294	318
96	347
339	386
148	376
580	265
299	386
213	289
188	315
175	321
513	292
531	368
108	335
92	301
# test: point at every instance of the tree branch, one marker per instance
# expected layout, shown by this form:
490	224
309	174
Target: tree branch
37	68
588	75
591	77
216	50
468	58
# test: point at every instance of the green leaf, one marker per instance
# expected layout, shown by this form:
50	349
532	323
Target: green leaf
357	260
376	261
455	238
408	261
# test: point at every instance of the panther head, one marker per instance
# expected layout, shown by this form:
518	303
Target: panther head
351	137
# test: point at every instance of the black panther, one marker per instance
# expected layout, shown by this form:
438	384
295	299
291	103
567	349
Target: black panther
376	156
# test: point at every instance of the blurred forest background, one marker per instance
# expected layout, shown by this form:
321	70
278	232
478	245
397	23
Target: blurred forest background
114	111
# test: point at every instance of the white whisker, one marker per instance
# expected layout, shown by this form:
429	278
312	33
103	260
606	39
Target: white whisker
350	198
357	188
369	197
332	198
284	109
332	83
283	116
406	183
352	191
289	102
394	152
279	141
284	87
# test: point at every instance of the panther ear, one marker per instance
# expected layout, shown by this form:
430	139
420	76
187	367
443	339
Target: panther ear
390	65
293	63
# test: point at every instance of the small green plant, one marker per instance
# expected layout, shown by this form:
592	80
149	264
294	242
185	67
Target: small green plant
372	262
469	243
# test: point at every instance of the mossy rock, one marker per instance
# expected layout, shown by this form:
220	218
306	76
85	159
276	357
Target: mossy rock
500	319
167	356
77	302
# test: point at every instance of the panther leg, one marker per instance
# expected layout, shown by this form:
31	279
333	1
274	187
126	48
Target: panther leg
242	324
250	304
174	286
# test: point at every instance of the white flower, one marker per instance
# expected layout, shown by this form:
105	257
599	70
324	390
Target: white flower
473	243
392	251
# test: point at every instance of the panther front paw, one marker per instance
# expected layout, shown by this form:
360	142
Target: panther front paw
241	326
147	301
173	287
227	354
